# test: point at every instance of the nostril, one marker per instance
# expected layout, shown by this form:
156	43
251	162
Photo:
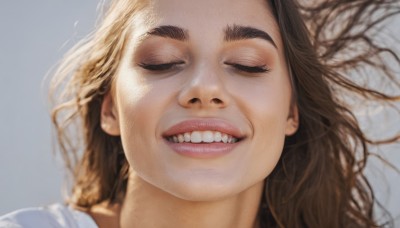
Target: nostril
216	101
194	100
197	100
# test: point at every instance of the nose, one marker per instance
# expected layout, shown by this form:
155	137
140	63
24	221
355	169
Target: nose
204	89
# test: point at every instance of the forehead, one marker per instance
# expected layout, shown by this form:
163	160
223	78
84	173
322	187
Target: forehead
208	18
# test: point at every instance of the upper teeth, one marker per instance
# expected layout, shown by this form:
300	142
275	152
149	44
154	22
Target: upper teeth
203	136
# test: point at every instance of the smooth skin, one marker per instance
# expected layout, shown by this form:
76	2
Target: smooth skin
202	78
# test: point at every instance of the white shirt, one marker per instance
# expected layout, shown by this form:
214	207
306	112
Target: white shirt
53	216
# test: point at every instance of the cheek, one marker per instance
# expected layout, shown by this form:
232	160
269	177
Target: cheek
140	105
266	106
265	102
268	141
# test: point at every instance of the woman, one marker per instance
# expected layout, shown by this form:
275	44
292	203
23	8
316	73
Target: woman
219	114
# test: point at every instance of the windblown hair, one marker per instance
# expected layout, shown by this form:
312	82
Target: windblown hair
330	47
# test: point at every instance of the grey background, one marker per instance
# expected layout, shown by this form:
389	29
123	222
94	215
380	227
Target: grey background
33	37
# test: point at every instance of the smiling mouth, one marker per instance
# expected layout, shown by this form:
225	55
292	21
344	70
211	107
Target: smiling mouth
198	137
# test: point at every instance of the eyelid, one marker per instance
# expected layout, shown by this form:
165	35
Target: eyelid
159	58
158	50
144	63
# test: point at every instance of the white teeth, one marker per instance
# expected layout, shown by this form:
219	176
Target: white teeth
217	136
224	138
195	137
186	136
208	137
203	137
181	138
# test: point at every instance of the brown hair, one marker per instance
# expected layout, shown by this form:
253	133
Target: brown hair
319	180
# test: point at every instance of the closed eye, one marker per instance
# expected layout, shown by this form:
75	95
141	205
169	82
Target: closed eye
249	69
160	67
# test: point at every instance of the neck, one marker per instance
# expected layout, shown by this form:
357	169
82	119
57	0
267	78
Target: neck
147	206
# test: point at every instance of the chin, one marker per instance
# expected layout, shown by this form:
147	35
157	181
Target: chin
204	188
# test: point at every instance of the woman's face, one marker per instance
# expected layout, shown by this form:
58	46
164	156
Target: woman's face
202	98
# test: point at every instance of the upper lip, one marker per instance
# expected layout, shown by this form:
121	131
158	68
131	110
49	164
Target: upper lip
204	125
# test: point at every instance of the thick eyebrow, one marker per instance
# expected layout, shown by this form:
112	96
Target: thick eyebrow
236	32
169	31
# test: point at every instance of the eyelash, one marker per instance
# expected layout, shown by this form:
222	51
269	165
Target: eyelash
249	69
160	67
169	66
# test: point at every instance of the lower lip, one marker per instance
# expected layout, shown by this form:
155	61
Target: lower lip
202	150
